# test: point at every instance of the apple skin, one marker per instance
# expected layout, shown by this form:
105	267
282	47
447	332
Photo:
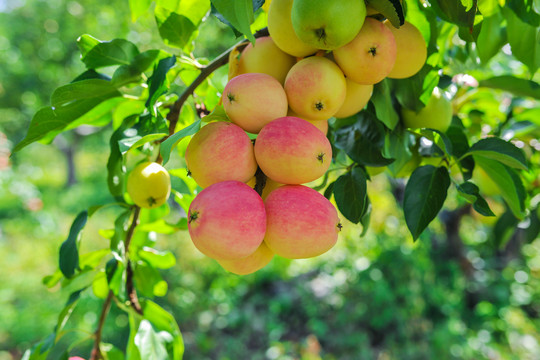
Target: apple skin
327	25
253	100
256	261
301	223
75	358
220	151
290	150
411	51
227	221
149	185
282	32
315	88
265	57
319	124
370	56
356	99
437	114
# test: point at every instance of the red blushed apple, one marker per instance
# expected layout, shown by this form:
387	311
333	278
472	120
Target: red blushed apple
291	150
256	261
252	100
227	221
370	56
220	151
301	223
315	88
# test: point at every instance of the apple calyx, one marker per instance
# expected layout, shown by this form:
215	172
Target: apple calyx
231	97
194	216
320	157
321	35
339	226
373	51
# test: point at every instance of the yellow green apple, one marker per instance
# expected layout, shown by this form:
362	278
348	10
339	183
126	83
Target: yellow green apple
301	223
220	151
265	57
282	32
253	100
437	114
227	221
315	88
290	150
356	99
370	56
327	25
411	51
149	185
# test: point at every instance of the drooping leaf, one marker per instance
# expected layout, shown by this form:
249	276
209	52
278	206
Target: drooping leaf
164	321
527	10
96	54
350	193
500	150
523	39
424	197
157	85
382	102
167	146
471	193
391	9
364	140
491	37
69	102
510	185
514	85
69	251
239	13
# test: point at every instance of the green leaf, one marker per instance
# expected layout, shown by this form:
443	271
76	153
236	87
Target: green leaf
131	73
438	138
164	321
508	182
115	166
414	92
64	315
138	8
158	259
150	345
218	114
174	29
96	54
527	10
147	280
69	252
391	9
500	150
491	37
455	12
157	82
524	40
382	100
350	193
514	85
424	197
471	193
69	102
168	145
239	13
135	142
460	146
504	229
363	141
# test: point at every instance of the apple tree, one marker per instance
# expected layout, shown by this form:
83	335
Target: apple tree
461	128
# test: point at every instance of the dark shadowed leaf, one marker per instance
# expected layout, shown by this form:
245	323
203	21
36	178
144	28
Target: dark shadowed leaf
350	193
424	197
471	193
157	84
391	9
500	150
460	146
69	252
382	101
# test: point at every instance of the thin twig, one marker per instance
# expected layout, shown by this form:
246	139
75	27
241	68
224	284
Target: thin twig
96	353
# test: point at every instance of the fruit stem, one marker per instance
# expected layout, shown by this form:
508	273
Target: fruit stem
96	352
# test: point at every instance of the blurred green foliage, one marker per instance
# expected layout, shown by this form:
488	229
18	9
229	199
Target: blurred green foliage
376	297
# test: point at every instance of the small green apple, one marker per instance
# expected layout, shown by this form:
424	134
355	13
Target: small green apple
437	114
327	25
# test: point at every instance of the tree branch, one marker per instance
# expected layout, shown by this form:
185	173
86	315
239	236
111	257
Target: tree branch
96	352
206	71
